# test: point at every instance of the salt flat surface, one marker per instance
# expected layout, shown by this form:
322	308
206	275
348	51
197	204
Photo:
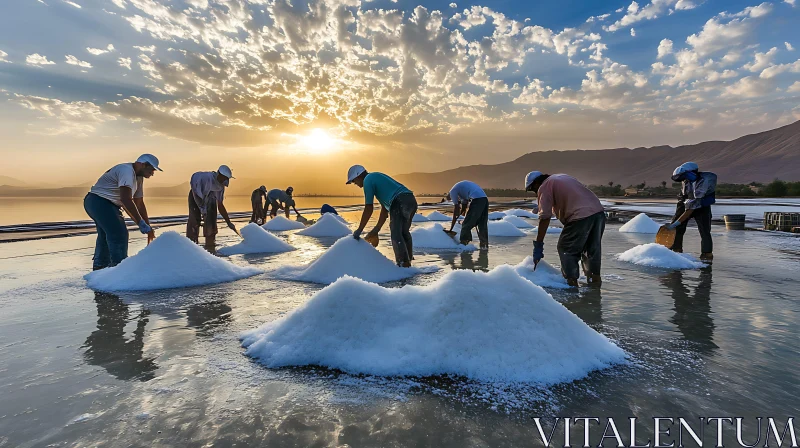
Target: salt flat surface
658	256
438	216
419	218
170	261
521	213
355	258
545	274
458	325
328	225
281	223
753	212
435	238
256	240
640	224
518	222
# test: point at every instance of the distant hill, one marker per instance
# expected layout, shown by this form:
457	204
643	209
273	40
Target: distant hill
758	157
11	182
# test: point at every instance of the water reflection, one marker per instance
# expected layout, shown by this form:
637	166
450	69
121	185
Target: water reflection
108	347
208	316
474	261
588	306
693	309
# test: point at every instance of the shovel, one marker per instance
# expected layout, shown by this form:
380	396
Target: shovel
665	237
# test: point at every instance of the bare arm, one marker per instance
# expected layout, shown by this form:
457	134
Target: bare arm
224	212
365	216
456	212
543	225
126	197
381	220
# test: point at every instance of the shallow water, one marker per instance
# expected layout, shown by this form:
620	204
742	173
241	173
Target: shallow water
165	368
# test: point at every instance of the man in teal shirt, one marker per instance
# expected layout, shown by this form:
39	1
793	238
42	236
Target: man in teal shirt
397	202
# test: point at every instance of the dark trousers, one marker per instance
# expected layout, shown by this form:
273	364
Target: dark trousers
581	241
477	216
112	233
196	218
258	210
401	214
702	217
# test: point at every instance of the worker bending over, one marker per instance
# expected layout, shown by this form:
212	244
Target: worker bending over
584	223
469	194
205	200
694	202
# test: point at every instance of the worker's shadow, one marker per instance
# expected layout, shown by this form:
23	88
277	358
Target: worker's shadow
473	261
207	317
693	309
108	347
588	305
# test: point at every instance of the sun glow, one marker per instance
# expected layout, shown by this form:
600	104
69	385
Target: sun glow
318	141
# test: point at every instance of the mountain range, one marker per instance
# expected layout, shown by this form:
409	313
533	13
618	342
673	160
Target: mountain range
758	157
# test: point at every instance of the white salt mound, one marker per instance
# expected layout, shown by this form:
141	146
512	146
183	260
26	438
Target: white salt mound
496	215
518	222
521	213
458	325
256	240
419	218
170	261
437	216
545	275
327	225
348	256
435	238
658	256
550	229
640	224
503	228
281	223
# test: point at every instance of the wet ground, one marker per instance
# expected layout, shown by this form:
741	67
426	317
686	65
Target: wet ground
166	369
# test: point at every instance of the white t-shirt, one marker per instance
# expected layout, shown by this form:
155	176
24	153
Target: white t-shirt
465	191
121	175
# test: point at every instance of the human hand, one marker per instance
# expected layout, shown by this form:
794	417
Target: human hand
144	227
151	235
674	225
357	234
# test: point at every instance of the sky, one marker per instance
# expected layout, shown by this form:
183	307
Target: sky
298	90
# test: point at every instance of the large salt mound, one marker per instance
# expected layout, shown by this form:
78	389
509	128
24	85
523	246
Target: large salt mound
496	215
348	256
640	224
658	256
281	223
545	275
518	222
435	238
170	261
327	225
459	325
437	216
419	218
521	213
503	228
256	240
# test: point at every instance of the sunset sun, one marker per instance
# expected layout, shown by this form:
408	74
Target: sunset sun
318	141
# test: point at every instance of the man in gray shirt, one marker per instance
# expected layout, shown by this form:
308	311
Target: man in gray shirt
281	200
205	199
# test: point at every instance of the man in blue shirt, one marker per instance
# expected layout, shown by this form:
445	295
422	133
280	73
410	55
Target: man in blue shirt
397	202
694	202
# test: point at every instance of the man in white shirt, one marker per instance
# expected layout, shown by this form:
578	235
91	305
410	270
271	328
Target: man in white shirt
120	187
205	199
469	194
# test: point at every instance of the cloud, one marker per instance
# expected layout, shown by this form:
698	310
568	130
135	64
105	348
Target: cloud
150	49
790	2
749	87
651	11
78	118
794	88
633	32
789	46
774	70
72	4
37	59
120	3
664	48
3	56
99	51
762	60
72	60
124	62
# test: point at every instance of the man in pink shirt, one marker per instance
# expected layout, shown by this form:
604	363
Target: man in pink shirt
584	222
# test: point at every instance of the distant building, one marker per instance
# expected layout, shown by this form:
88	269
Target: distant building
632	191
755	189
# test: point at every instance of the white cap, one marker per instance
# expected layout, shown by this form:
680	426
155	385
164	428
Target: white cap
149	159
683	169
531	177
354	171
225	171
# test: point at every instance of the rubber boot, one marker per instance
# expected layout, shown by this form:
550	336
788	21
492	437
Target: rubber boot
594	280
572	282
708	256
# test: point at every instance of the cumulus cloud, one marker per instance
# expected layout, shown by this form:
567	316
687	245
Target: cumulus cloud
78	118
762	60
72	60
749	87
664	48
124	62
99	51
72	4
37	59
794	88
633	32
790	2
651	11
3	56
789	46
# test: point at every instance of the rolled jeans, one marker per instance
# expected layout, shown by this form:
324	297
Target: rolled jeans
581	241
477	216
401	214
112	233
208	217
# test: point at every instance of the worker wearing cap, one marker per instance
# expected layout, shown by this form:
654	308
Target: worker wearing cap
694	202
205	200
469	194
397	203
327	208
259	214
120	187
281	200
584	223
